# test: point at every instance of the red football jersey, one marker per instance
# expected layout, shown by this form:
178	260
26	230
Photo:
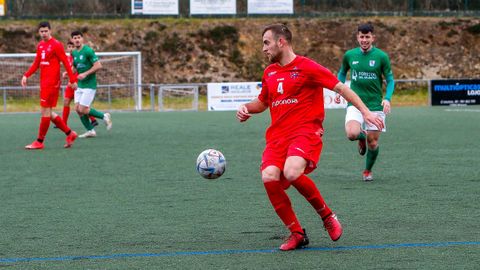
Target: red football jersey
294	95
70	59
49	55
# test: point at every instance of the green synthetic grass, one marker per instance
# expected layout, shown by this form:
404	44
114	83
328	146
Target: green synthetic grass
135	190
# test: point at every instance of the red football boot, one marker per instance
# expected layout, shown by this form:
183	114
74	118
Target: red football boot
70	139
367	176
34	145
333	227
294	241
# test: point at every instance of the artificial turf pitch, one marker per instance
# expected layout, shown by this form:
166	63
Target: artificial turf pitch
131	198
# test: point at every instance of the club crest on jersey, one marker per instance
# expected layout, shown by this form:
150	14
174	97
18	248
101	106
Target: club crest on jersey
372	63
294	74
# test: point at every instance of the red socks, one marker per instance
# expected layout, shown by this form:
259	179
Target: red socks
282	205
60	124
65	114
43	129
309	190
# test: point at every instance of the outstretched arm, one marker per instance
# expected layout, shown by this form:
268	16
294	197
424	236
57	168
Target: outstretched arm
246	110
353	98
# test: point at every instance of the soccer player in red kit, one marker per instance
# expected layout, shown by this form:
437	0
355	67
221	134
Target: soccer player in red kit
50	53
292	88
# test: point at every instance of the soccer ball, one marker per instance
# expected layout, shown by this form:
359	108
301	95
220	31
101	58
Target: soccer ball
211	164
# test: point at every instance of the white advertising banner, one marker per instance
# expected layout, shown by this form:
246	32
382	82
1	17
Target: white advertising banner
270	7
329	100
155	7
229	96
213	7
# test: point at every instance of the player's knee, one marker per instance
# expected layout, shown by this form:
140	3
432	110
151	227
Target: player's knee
372	144
352	136
292	174
269	174
82	111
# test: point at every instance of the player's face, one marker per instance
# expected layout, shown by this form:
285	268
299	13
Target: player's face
365	40
77	41
70	47
45	33
271	47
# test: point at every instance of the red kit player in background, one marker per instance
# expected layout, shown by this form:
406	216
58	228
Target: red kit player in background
49	54
292	88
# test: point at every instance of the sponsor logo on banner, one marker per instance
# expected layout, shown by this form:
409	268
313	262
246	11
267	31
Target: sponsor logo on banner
229	96
455	92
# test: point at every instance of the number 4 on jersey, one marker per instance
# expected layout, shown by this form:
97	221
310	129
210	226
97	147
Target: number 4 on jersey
280	88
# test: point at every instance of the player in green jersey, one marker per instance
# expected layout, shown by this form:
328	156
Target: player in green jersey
368	67
86	63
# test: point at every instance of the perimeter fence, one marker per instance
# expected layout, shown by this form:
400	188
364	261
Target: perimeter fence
301	8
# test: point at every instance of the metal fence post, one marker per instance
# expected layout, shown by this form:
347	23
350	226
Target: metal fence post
109	98
429	92
160	98
152	97
195	98
4	100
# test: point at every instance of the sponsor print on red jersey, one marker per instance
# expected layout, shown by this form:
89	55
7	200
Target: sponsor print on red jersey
48	57
294	95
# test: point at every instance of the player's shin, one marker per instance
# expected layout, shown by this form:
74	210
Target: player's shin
371	158
43	129
65	113
309	190
58	121
282	205
96	114
86	122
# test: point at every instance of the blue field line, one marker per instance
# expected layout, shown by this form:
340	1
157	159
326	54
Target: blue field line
229	252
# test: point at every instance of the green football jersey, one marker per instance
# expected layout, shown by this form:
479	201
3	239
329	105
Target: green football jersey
367	71
83	60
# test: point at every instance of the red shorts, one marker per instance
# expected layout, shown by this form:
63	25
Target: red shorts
308	146
49	97
69	93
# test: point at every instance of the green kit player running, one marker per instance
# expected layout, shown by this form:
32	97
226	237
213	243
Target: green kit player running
368	65
86	63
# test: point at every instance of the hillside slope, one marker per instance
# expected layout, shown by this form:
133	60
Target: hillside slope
213	50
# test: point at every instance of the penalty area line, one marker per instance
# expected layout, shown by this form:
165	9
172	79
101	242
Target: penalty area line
230	252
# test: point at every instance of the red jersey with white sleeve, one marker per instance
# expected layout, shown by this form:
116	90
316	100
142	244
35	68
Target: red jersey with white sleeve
294	95
49	55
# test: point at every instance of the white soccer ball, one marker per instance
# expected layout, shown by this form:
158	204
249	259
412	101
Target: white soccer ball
211	164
